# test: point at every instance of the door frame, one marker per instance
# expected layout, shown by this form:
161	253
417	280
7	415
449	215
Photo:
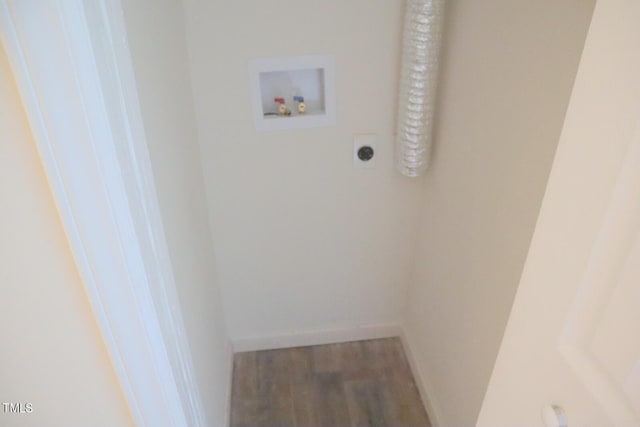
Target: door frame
75	75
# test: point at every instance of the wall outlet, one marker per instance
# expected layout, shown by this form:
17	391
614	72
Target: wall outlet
364	150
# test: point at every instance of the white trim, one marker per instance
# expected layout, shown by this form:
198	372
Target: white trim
76	80
330	336
118	75
427	392
229	382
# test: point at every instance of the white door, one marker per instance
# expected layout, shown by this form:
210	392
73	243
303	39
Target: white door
573	338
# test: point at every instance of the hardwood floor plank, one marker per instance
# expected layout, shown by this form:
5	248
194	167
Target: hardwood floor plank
331	405
274	389
244	391
402	405
277	405
272	366
351	358
364	401
326	358
247	412
355	384
245	374
300	364
400	359
306	396
380	355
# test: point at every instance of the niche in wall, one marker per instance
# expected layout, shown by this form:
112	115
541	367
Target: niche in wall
286	81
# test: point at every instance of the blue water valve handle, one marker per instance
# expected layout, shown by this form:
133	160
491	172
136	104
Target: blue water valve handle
298	98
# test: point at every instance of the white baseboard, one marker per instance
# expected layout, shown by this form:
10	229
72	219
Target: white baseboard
427	393
301	339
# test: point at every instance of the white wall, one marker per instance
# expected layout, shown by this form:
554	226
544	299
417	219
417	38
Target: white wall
507	72
51	351
304	242
157	41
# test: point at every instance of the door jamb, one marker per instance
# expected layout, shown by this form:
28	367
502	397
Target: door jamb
75	76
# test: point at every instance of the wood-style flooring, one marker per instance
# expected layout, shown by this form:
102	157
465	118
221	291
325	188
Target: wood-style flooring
354	384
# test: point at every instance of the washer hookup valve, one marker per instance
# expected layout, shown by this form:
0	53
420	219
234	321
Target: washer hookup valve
302	108
283	110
